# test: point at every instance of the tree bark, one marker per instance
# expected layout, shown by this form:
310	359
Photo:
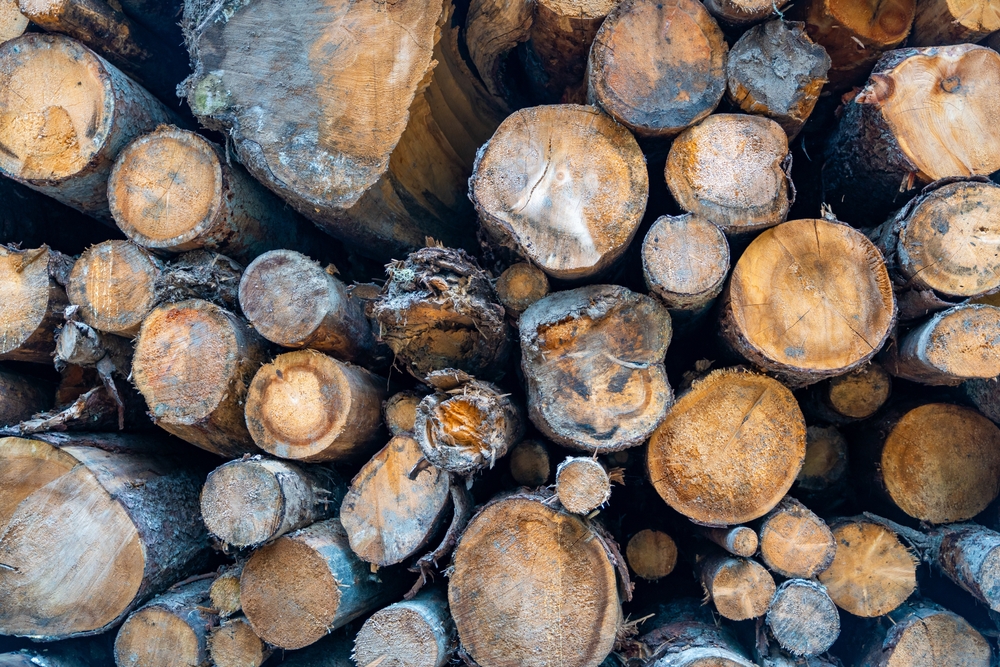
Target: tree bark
193	362
582	484
416	633
172	628
944	22
310	407
234	644
795	542
562	186
776	71
686	635
651	554
740	541
675	48
925	634
303	585
739	588
43	147
108	519
593	363
882	146
22	396
803	618
33	304
249	502
808	300
729	449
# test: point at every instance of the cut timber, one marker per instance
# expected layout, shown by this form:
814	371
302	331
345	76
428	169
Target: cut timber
685	261
33	302
172	629
562	186
740	589
520	286
376	165
155	64
234	644
795	542
294	302
225	591
593	361
651	554
825	470
943	22
657	67
952	346
388	516
686	634
298	588
774	70
741	13
729	169
439	310
307	406
114	285
858	394
808	300
62	138
105	520
855	34
872	572
729	449
400	412
12	21
738	540
582	484
413	633
909	125
173	191
21	396
803	618
530	464
193	361
506	601
923	634
248	502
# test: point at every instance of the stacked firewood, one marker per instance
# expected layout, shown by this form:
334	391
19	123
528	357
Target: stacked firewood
499	333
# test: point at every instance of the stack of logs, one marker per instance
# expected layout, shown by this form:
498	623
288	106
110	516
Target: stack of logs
684	351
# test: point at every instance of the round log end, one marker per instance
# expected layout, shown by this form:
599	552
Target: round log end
26	303
154	637
795	542
520	286
685	261
803	618
741	589
242	503
234	644
859	394
114	285
582	484
529	463
12	21
400	412
651	554
225	592
407	634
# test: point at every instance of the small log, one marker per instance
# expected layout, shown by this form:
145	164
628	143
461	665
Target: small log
882	147
739	588
803	618
310	407
172	628
225	591
298	588
248	502
193	361
530	464
808	300
562	186
678	52
593	361
155	64
742	13
12	22
113	283
174	191
388	516
776	71
497	554
233	643
44	149
685	634
651	554
739	540
582	484
925	634
294	302
520	286
854	35
729	449
852	396
795	542
107	520
22	396
872	572
33	303
729	169
944	22
439	310
399	412
415	633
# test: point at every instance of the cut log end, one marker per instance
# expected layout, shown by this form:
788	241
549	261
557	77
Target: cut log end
114	285
225	592
685	261
154	636
795	542
803	618
32	305
400	412
942	22
520	286
12	21
529	463
234	644
741	589
582	484
740	540
415	633
651	554
926	635
860	394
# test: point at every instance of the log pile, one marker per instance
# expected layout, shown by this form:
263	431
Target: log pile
635	333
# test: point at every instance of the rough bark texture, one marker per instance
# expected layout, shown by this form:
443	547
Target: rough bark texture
925	634
686	635
33	303
413	633
795	542
803	618
740	589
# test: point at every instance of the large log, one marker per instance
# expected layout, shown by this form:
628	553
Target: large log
33	303
902	129
808	300
104	520
925	634
412	633
562	186
593	361
62	138
729	449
